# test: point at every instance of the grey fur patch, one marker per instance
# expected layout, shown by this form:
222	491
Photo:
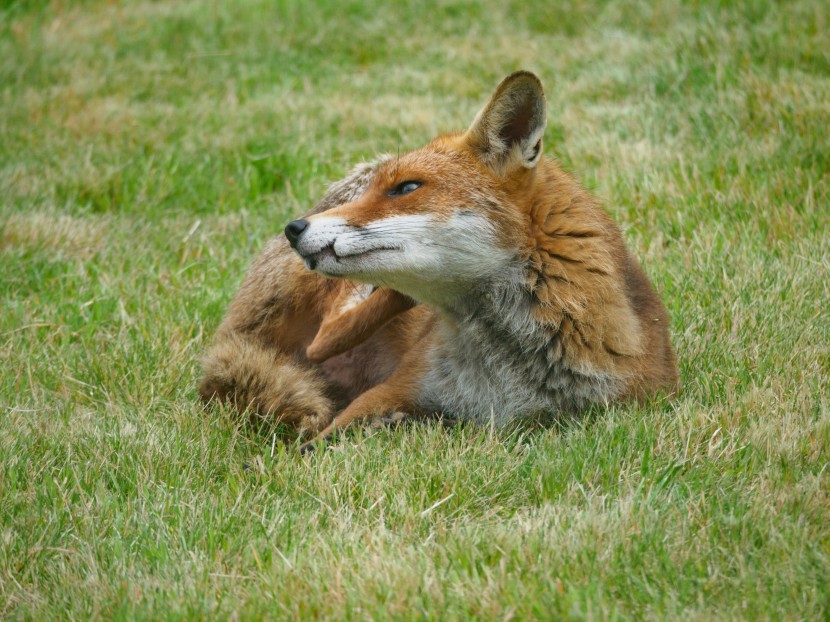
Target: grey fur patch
495	361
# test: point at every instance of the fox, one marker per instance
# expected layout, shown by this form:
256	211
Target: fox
473	277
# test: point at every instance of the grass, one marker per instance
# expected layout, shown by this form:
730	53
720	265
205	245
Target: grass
149	150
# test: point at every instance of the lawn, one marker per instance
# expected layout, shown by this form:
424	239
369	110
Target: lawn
148	151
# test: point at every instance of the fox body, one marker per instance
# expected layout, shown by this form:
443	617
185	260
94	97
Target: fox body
472	277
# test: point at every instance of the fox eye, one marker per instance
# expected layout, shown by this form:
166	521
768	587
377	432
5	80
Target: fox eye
405	187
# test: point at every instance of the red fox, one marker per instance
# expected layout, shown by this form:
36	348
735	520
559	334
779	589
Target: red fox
472	277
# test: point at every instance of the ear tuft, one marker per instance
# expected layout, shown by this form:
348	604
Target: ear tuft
507	133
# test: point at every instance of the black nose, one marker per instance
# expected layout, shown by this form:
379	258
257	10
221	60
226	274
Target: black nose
294	230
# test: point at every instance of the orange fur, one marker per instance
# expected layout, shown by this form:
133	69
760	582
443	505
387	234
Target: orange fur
341	332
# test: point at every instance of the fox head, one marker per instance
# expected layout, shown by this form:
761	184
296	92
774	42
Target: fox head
437	222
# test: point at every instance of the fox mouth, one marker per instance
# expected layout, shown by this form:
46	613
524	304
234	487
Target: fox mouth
327	255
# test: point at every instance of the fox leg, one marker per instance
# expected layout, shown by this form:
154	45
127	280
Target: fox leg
339	333
374	403
393	397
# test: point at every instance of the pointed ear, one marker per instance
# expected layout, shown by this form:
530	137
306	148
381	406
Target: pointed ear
507	133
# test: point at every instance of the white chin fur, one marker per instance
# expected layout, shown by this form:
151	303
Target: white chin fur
357	266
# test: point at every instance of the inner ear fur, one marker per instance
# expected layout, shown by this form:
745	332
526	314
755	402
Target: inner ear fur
507	133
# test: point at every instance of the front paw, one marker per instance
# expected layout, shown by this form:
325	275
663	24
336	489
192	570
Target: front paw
389	421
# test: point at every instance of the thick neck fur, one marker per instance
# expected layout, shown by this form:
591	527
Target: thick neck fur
576	266
555	330
493	353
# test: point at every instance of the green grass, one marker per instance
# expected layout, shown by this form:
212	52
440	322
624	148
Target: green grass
149	150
